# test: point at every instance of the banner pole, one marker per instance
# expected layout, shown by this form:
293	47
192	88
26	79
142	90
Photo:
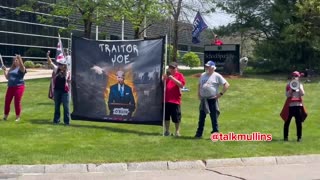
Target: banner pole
164	85
122	28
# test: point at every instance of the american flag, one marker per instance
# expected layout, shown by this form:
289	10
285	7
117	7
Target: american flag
60	57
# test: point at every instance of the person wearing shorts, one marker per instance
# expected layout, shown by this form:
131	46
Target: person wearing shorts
174	82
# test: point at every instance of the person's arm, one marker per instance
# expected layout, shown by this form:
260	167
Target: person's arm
22	68
50	63
226	85
5	72
301	90
176	81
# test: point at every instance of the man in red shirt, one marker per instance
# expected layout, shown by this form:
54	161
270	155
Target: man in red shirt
174	82
216	41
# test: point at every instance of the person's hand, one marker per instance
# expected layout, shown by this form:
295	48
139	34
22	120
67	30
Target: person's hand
4	68
48	53
214	97
164	76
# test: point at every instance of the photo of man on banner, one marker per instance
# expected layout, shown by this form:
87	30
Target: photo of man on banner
121	101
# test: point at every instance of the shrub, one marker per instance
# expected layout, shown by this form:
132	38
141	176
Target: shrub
191	59
29	64
38	65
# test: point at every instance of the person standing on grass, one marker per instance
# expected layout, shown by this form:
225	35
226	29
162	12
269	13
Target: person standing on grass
59	89
293	107
174	82
16	86
208	93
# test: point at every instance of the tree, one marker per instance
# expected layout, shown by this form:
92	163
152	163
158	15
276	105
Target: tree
140	11
170	54
176	8
191	59
309	28
273	25
90	11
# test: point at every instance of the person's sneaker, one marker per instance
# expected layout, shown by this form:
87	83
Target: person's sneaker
167	133
18	119
299	139
4	118
177	134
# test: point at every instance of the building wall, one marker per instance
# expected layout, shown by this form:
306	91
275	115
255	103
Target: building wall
24	34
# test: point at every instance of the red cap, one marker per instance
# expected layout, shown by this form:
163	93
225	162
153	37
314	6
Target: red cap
296	74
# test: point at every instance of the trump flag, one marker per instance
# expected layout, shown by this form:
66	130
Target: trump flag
198	26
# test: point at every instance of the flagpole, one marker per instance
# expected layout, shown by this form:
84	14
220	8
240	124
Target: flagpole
164	86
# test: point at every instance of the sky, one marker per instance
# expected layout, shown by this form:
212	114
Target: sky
217	19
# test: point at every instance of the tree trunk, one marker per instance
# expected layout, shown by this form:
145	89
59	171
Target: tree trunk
87	28
175	40
136	33
175	31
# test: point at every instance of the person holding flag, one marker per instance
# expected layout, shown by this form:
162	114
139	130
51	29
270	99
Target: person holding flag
216	41
198	26
60	85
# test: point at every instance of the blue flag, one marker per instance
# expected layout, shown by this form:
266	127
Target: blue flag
198	26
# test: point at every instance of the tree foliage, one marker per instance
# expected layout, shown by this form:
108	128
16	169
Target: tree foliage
170	54
98	12
284	31
89	11
136	11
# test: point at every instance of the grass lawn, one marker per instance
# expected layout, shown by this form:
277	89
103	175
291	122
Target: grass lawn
252	104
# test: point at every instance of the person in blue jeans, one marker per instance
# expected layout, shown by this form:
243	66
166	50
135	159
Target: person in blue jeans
208	93
60	89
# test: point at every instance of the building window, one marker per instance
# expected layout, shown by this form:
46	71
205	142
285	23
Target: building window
182	47
115	37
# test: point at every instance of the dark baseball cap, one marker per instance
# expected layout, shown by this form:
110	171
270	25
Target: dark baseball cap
173	64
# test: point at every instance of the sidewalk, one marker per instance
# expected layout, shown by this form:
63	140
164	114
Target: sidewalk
33	74
270	172
155	170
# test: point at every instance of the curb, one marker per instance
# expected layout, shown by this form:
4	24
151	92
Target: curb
159	165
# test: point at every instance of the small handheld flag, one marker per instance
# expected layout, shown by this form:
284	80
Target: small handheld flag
60	57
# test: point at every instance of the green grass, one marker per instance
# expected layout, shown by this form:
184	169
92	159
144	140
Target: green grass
252	104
